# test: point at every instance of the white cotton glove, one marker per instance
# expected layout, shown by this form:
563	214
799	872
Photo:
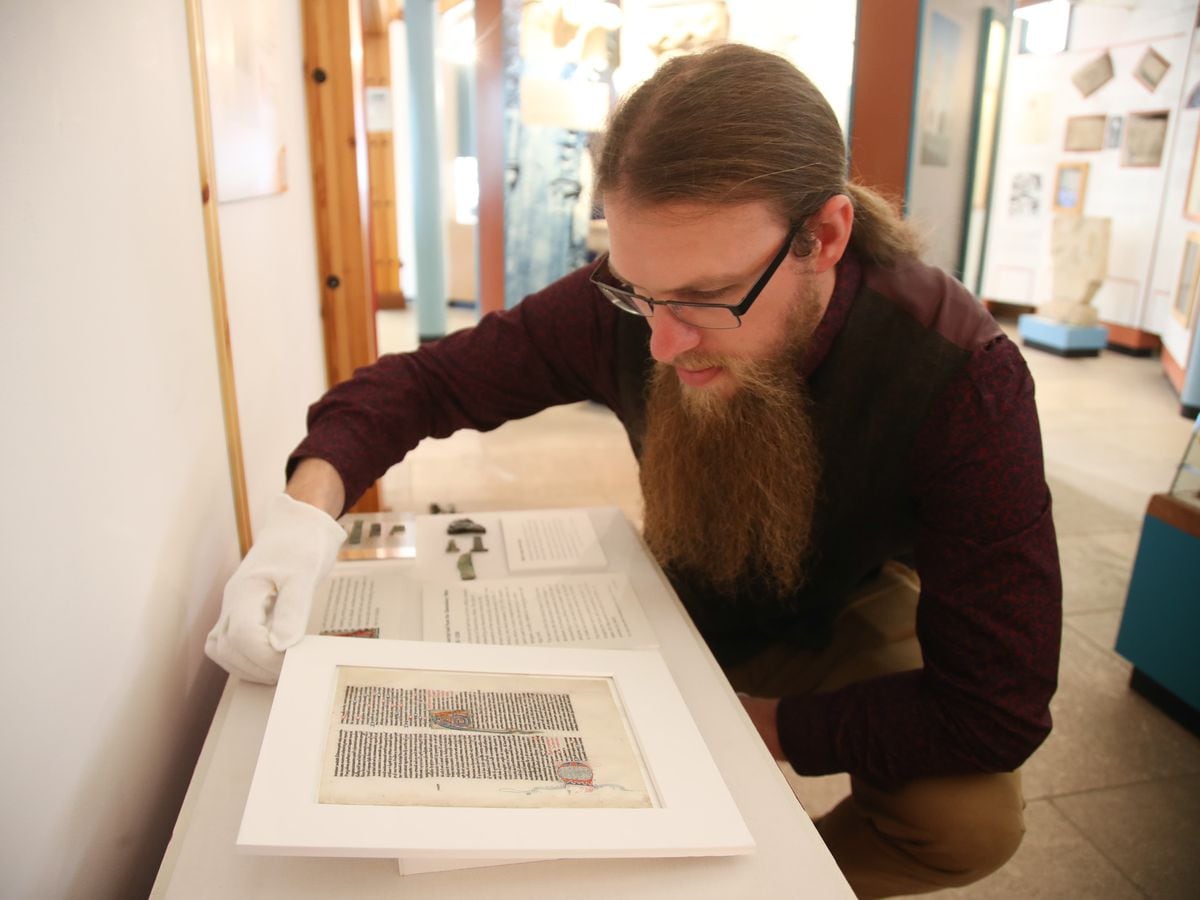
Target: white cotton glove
267	601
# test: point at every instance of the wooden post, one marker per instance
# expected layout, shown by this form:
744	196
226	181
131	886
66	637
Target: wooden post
381	177
885	68
337	146
489	147
216	272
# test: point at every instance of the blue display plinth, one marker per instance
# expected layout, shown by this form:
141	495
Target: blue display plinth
1058	337
1162	611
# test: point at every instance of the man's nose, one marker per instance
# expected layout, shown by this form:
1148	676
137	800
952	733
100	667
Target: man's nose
669	337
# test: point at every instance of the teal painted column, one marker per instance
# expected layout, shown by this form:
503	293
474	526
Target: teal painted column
420	22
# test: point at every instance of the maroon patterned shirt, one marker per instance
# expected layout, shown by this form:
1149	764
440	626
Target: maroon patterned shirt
989	616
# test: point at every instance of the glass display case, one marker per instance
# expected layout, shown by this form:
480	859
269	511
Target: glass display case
1162	610
1186	486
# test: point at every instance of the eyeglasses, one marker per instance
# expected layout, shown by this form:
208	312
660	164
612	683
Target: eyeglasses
694	313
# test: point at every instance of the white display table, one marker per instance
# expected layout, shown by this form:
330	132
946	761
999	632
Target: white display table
789	861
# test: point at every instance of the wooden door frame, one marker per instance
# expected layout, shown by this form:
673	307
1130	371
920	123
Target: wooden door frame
885	67
489	148
333	39
205	156
333	36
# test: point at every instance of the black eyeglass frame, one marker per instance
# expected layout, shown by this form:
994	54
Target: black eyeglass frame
736	309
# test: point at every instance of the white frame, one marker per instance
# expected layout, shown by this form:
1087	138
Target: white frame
695	816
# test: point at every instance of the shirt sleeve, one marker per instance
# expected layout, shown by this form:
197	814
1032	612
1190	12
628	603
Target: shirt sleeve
554	347
989	617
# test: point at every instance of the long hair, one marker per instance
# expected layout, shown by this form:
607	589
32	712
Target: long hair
735	124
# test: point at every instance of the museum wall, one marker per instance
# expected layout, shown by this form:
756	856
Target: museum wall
268	250
402	157
455	28
121	530
1100	136
1174	278
940	154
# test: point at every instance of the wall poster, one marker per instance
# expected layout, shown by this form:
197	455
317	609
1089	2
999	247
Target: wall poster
1070	187
1145	137
1114	129
1183	307
1191	200
1085	133
1025	194
242	54
1151	68
945	44
1093	75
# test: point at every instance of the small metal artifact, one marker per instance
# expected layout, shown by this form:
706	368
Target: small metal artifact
452	546
465	526
466	568
477	546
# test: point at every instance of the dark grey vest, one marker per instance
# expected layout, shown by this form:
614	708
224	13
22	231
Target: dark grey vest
869	396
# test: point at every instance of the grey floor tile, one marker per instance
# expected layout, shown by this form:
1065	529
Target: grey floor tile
1150	831
1083	506
1096	569
574	455
396	330
1104	734
1054	862
1099	627
817	795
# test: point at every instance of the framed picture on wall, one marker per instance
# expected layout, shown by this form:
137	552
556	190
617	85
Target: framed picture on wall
1025	194
1191	200
1113	131
1070	187
245	76
1183	307
1145	137
1093	75
1085	133
936	107
1151	68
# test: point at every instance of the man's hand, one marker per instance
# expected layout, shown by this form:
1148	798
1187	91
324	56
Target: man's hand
762	712
267	601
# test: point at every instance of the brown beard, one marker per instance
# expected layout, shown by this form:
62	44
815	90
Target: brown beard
729	483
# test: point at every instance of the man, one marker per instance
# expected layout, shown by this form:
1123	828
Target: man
812	410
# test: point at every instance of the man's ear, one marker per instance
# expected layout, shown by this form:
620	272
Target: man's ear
830	228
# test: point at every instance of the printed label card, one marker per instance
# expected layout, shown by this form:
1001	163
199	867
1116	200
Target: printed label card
548	610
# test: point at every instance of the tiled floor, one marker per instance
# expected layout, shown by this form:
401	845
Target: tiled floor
1114	793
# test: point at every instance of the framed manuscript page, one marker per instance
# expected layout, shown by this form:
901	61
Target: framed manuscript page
431	751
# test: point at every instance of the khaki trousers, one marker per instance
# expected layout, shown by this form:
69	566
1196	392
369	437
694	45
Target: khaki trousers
930	833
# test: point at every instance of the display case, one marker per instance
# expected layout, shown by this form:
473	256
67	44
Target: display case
1161	621
1186	486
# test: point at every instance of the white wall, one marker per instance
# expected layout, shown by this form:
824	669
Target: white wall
1038	99
273	291
816	35
1174	226
119	530
402	153
938	185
